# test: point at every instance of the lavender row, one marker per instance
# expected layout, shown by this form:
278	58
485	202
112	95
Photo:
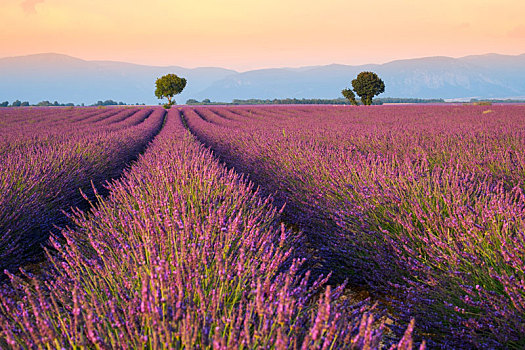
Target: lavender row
425	204
183	253
42	174
28	127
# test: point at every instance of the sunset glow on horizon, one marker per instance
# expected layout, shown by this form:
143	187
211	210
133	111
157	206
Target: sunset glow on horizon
243	34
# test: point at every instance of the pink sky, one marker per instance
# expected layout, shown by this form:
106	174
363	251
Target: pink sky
247	34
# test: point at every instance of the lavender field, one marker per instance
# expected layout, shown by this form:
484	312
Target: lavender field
422	204
253	227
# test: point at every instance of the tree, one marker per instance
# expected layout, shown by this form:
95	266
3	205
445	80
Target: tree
4	104
169	86
349	95
367	85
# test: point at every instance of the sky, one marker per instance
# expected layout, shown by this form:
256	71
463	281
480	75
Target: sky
250	34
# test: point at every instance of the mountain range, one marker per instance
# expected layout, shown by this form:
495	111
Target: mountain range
64	78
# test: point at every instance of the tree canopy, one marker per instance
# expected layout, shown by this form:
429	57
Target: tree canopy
367	85
349	95
168	86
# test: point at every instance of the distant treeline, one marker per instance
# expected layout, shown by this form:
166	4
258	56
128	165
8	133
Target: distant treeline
254	101
311	101
481	101
109	103
19	103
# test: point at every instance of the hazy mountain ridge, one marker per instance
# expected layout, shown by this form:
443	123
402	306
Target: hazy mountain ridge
67	79
498	76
